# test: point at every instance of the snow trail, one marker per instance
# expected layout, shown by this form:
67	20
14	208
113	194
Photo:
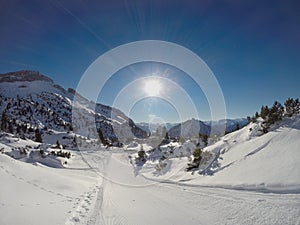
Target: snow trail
144	202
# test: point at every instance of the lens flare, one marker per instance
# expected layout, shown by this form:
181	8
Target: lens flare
152	87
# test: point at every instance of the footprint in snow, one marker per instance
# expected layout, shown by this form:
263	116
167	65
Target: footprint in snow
75	219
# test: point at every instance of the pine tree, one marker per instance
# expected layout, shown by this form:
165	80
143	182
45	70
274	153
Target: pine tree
38	136
101	137
142	157
196	161
197	156
57	144
297	106
289	106
18	129
74	142
275	113
24	128
249	119
292	106
3	121
204	138
10	128
264	112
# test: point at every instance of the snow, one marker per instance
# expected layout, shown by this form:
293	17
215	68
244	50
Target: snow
31	194
25	88
130	199
110	190
35	101
247	177
265	163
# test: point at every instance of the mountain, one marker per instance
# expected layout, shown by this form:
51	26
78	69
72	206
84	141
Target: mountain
23	76
31	104
194	127
227	125
189	128
152	127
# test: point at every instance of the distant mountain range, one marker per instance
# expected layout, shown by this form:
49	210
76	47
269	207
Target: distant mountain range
193	127
152	127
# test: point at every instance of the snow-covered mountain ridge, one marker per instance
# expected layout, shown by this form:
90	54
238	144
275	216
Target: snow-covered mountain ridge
24	75
31	103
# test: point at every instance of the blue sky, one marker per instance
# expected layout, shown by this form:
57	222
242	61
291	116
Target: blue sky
252	47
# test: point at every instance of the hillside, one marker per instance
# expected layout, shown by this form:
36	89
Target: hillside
244	159
31	104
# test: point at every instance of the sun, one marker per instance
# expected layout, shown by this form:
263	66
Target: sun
152	87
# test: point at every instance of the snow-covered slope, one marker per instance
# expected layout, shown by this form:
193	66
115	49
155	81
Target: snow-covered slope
102	187
244	159
107	191
24	83
269	161
32	193
30	102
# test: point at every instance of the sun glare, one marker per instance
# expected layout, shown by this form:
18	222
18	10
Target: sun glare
152	87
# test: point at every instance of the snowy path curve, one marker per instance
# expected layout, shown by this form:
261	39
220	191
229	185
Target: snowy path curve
130	199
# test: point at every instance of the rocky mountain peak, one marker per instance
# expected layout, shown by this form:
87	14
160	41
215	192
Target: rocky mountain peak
24	75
